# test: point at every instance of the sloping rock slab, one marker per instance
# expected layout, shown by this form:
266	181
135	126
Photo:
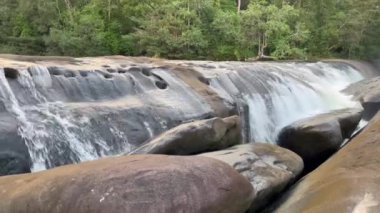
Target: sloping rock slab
195	137
141	183
348	182
317	138
269	168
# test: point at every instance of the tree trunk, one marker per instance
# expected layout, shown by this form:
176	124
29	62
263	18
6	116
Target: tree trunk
259	48
238	6
263	43
109	10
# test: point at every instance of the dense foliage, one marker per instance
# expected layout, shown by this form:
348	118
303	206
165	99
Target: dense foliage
192	29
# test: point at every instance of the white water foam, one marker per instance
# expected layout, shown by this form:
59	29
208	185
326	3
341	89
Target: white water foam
285	93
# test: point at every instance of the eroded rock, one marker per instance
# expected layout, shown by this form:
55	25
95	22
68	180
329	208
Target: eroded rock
195	137
143	183
268	167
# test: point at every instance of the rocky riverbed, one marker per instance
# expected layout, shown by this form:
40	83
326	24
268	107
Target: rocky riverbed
120	134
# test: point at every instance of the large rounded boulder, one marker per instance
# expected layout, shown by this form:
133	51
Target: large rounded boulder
269	168
195	137
141	183
317	138
348	182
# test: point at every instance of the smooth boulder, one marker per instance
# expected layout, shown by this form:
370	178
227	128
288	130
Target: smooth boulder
368	93
195	137
143	183
269	168
348	119
347	182
317	138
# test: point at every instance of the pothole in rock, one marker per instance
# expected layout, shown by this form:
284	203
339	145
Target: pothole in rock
146	71
122	71
162	85
69	74
204	80
83	73
11	73
55	71
105	74
108	76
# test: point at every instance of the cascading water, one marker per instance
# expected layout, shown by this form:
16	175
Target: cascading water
71	115
42	125
58	133
278	94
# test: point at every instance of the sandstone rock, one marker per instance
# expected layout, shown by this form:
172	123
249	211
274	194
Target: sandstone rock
367	92
269	168
14	155
348	182
195	137
141	183
317	138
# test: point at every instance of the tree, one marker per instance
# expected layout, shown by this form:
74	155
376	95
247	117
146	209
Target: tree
192	29
174	29
225	37
273	30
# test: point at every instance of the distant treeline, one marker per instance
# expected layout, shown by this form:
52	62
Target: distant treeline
192	29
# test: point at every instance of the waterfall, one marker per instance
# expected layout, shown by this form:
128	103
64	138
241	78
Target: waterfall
47	127
69	115
67	120
278	94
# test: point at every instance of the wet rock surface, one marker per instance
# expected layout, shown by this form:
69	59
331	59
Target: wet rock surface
143	183
317	138
269	168
14	155
366	69
195	137
368	93
347	182
69	111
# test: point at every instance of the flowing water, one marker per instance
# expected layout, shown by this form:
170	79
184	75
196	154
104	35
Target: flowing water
70	119
278	94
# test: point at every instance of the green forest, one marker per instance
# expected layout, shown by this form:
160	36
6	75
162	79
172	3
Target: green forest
192	29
